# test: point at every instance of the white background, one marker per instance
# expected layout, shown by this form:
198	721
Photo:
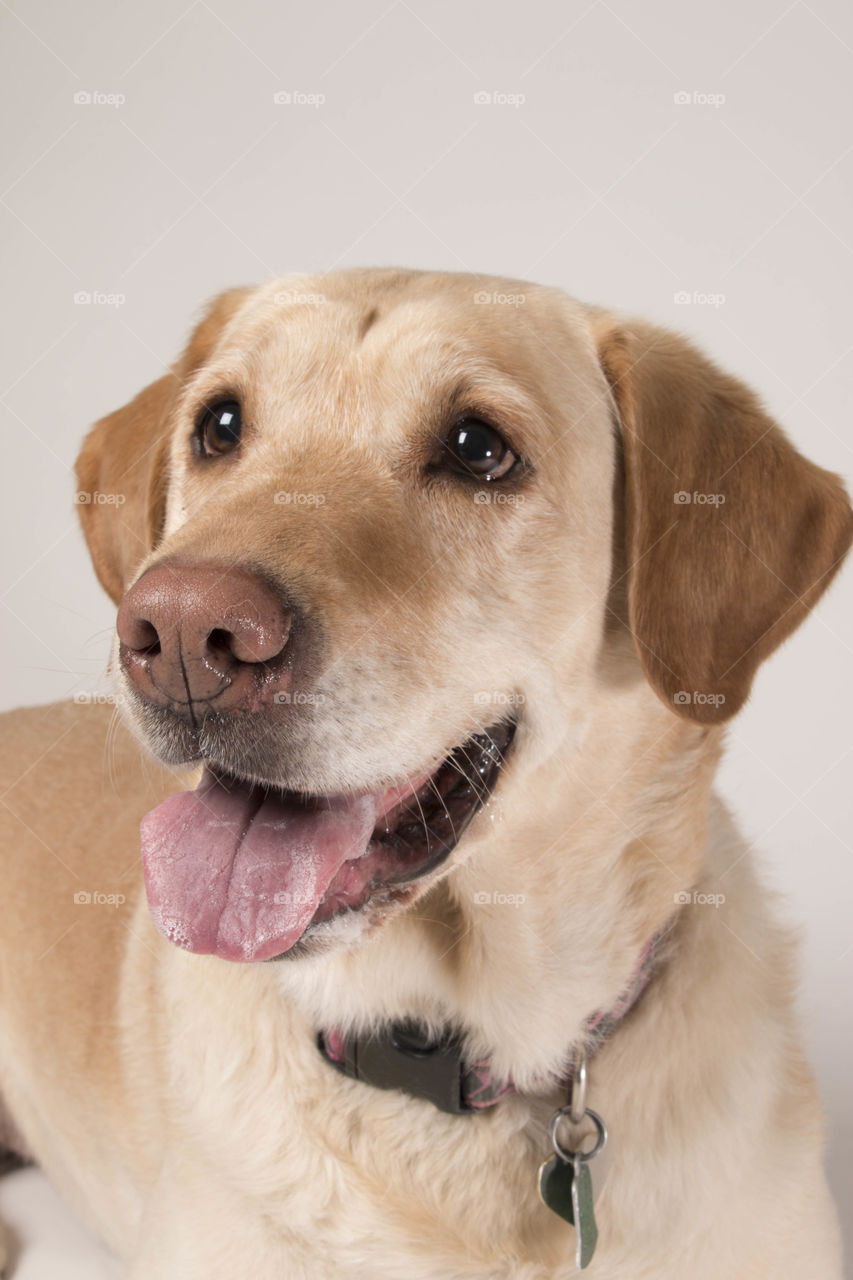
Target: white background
600	181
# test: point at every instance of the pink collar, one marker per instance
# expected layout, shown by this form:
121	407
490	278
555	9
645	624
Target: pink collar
401	1057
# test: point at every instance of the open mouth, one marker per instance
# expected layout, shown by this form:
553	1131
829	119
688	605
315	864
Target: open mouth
243	871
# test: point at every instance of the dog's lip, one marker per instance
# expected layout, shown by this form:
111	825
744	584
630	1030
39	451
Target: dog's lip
500	735
308	796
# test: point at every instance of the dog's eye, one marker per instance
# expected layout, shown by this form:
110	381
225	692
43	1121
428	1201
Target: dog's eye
219	427
479	450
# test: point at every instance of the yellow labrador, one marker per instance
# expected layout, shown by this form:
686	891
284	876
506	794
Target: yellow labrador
448	586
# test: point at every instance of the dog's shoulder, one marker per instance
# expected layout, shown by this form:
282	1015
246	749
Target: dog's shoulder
77	751
30	734
44	728
74	785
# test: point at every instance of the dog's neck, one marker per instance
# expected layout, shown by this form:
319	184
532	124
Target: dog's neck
540	926
399	1056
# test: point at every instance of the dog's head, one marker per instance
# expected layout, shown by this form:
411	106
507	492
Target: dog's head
370	539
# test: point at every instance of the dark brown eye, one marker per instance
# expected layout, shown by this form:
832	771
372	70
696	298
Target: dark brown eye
219	427
476	449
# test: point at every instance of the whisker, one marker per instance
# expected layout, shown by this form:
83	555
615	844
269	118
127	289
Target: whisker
444	806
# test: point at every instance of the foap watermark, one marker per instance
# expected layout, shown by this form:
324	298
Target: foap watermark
295	297
298	98
696	98
498	698
295	498
94	498
483	497
697	899
498	98
295	698
696	298
98	699
483	297
686	699
83	898
97	298
95	98
683	498
483	899
284	898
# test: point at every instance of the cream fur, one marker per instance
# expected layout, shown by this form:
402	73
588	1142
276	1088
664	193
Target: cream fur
179	1102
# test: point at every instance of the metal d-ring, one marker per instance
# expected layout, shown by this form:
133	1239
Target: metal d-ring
564	1113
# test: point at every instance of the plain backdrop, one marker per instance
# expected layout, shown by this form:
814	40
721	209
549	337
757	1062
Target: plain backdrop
690	163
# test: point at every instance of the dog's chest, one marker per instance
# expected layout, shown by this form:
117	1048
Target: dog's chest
358	1181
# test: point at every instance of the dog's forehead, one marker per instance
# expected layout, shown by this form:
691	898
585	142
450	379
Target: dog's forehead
365	349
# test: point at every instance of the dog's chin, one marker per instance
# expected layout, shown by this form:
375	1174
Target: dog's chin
251	871
350	926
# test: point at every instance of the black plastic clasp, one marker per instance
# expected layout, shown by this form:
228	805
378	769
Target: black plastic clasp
403	1057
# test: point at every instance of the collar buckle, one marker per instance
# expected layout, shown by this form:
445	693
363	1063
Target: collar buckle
402	1056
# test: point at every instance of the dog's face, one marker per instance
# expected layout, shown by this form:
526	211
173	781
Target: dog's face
376	530
404	460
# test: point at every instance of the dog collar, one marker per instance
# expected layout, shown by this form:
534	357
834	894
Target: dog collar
401	1055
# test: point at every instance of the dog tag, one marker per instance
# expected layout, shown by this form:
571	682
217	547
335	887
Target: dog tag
555	1187
583	1214
566	1188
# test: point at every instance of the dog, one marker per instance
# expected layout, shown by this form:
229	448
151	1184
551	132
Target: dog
435	595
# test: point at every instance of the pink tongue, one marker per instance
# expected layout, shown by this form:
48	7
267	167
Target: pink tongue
238	874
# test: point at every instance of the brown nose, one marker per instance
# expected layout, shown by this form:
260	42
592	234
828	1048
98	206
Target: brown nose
194	633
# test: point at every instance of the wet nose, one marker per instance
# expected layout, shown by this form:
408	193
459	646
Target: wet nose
197	632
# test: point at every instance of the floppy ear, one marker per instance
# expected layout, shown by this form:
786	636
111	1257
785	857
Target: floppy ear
122	468
731	535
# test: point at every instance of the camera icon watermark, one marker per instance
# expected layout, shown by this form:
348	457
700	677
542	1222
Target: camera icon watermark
94	498
686	699
498	98
97	298
298	698
286	498
294	297
483	899
95	98
683	498
696	298
496	298
697	899
284	898
696	98
83	898
298	98
98	699
483	497
498	698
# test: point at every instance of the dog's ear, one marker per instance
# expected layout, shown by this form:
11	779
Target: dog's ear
122	468
731	535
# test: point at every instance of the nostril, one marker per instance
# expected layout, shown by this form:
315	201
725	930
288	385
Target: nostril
220	643
145	639
251	645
